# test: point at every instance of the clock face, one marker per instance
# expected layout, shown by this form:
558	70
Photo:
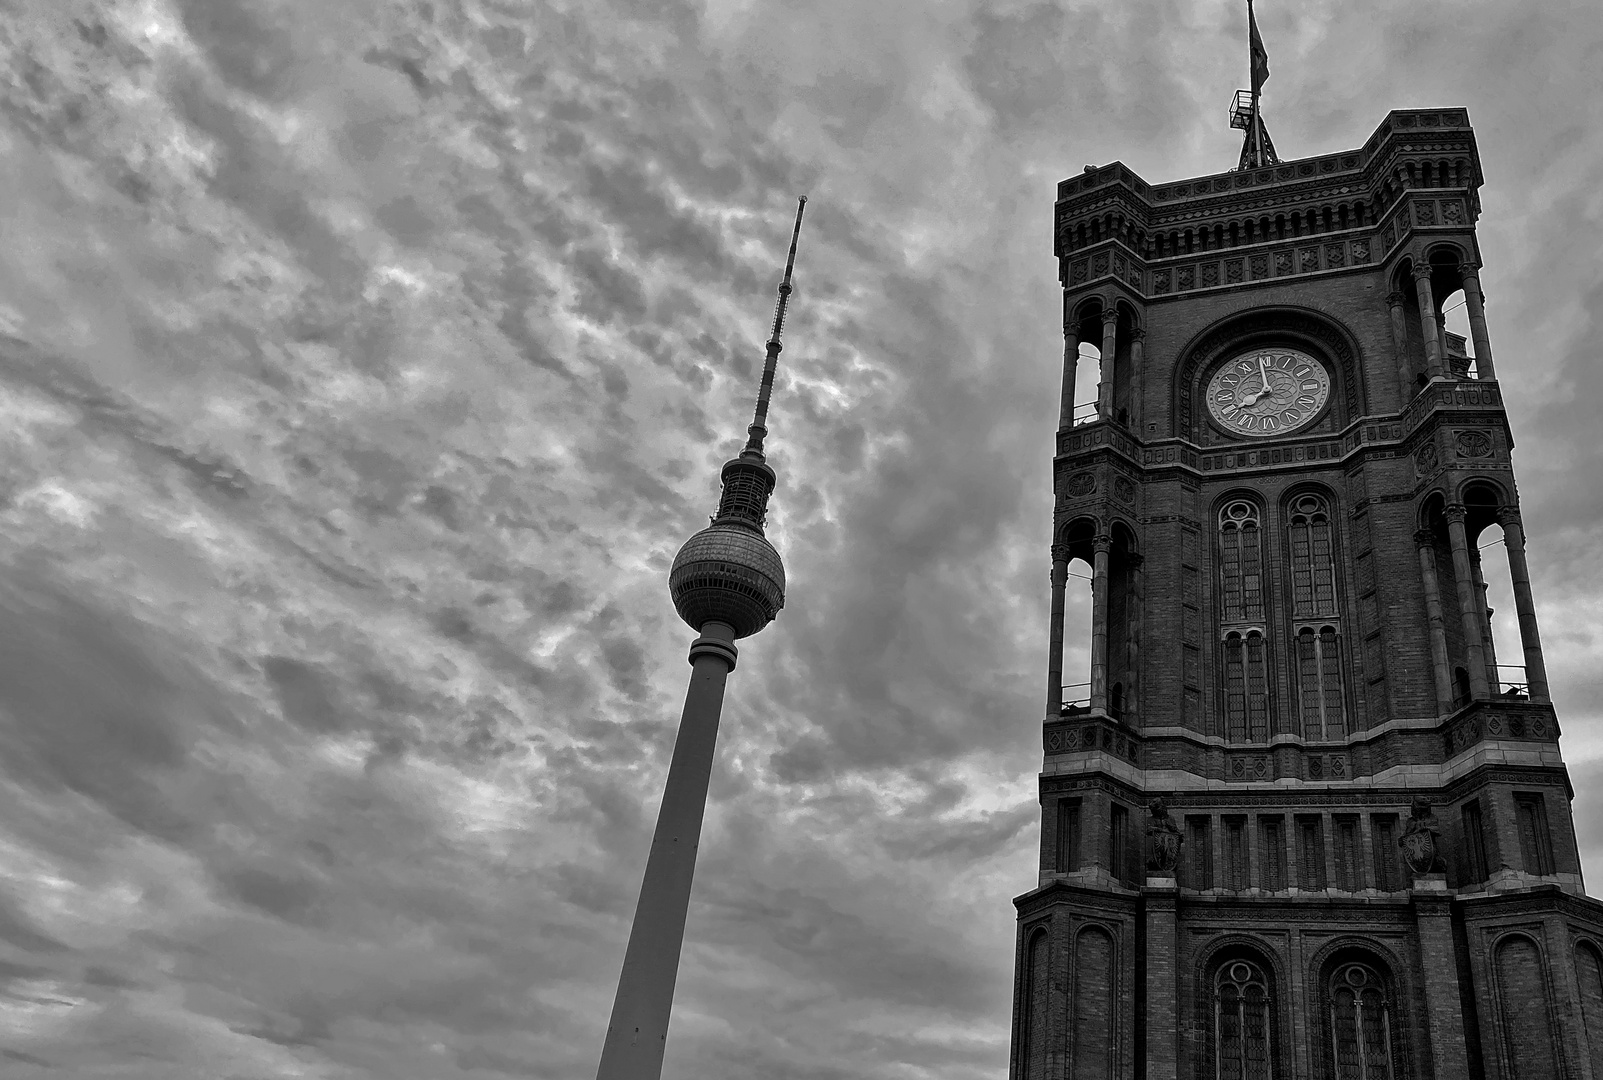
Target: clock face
1268	392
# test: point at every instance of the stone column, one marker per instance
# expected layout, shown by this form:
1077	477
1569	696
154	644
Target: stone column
1132	634
1484	611
1071	360
1468	609
1441	669
1444	1009
1160	899
1110	341
1530	638
1475	300
1099	622
1054	656
1427	322
1138	339
1399	337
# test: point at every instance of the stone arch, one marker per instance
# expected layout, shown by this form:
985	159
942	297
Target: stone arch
1327	964
1589	974
1212	959
1094	994
1304	327
1529	1043
1035	979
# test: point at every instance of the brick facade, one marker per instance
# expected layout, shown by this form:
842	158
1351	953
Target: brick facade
1303	939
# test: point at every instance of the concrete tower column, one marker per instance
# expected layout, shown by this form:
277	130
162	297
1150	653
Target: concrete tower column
1138	339
1427	322
1110	341
1441	670
1099	622
1469	610
638	1032
1475	300
1054	655
1071	361
1399	337
1530	638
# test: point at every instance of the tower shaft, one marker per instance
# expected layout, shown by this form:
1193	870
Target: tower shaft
638	1032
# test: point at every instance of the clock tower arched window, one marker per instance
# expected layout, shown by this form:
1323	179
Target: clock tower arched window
1241	618
1318	676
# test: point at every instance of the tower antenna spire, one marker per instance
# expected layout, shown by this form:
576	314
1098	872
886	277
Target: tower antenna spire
759	424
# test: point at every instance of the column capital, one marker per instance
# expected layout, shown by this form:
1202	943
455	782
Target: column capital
1110	315
1469	269
1060	553
1422	270
1101	543
1510	516
1455	513
1134	560
1425	538
1395	298
1137	334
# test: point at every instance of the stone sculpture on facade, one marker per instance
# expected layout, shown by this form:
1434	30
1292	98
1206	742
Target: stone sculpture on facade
1419	842
1163	840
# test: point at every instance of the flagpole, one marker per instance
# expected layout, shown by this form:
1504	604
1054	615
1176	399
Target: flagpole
1252	80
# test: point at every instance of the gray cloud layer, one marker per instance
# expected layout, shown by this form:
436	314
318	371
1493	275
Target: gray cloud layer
364	365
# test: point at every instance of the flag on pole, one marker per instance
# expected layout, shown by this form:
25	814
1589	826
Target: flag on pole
1260	55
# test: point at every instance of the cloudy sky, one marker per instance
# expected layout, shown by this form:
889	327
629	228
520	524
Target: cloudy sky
363	365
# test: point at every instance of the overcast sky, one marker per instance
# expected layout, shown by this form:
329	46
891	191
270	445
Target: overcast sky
365	363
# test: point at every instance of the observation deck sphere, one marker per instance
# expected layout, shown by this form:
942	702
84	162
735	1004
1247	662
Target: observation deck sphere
729	574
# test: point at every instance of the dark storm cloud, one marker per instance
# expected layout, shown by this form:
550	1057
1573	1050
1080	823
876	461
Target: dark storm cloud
367	364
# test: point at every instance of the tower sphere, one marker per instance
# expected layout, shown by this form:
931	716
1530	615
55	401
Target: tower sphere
728	573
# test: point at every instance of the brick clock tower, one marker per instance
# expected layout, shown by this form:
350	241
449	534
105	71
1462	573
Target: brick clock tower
1306	819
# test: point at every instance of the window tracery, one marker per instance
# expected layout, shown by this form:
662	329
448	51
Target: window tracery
1360	1024
1242	602
1241	562
1243	1018
1313	561
1319	676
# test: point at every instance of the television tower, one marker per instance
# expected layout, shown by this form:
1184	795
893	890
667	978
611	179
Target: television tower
727	582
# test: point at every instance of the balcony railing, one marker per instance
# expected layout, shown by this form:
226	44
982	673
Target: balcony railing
1517	688
1076	697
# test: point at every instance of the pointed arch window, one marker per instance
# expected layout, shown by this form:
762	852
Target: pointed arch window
1243	1020
1360	1024
1319	683
1313	558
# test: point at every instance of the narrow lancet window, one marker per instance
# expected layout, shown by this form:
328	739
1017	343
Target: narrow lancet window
1245	651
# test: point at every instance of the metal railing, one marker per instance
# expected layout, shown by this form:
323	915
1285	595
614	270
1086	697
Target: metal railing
1084	413
1517	689
1076	702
